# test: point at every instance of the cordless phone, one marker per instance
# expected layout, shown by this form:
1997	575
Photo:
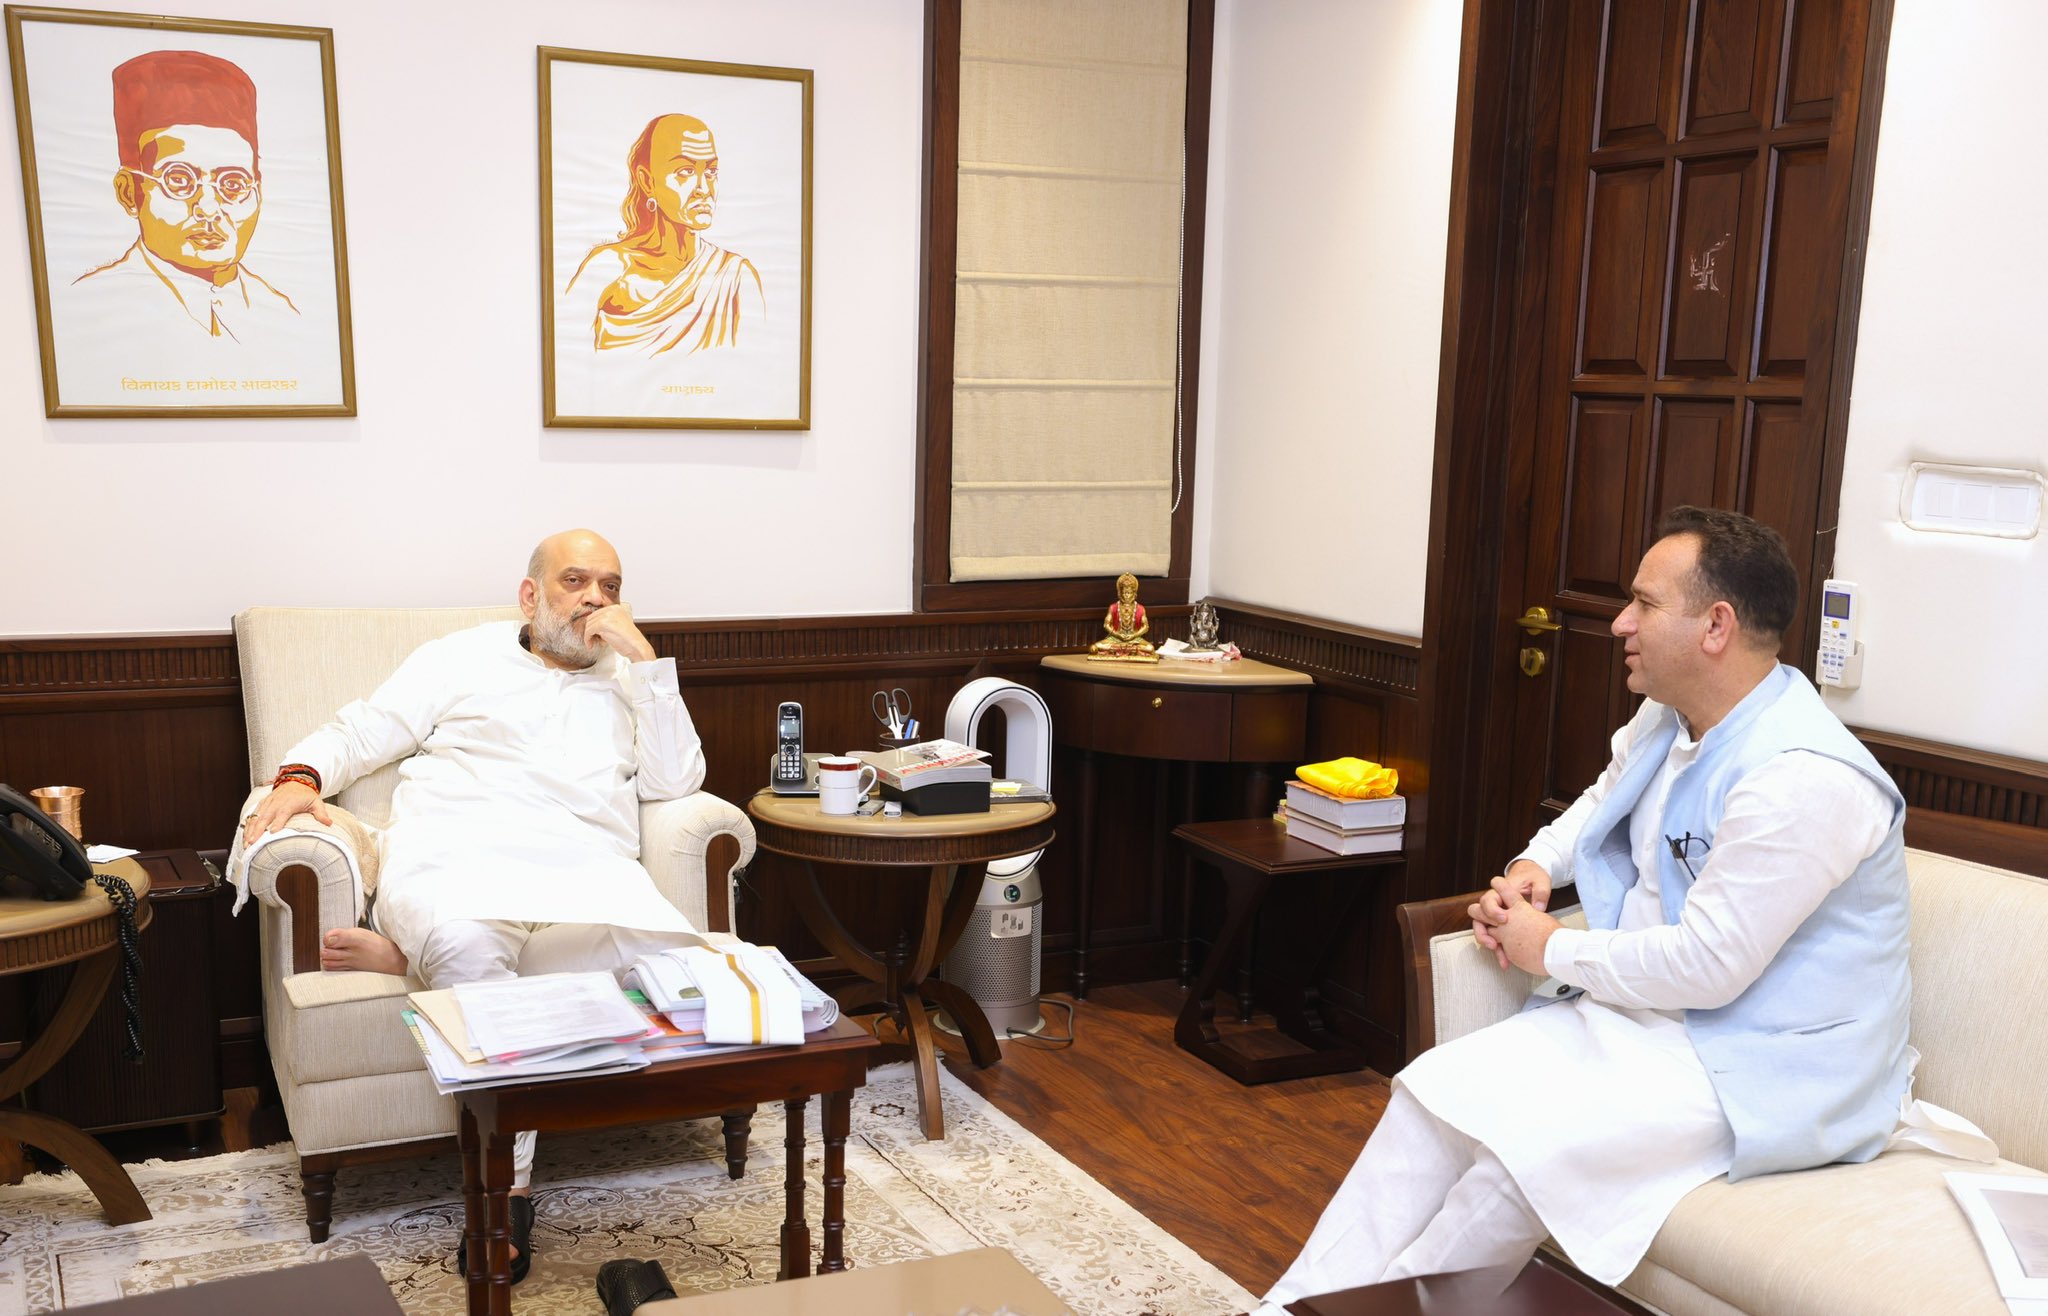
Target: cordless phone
789	769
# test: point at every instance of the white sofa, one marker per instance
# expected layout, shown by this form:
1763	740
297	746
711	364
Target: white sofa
353	1084
1877	1239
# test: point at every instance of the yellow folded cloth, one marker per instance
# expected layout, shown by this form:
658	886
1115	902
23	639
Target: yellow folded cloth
1354	779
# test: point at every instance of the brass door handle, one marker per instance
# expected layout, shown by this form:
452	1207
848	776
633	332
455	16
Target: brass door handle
1536	621
1533	661
1157	701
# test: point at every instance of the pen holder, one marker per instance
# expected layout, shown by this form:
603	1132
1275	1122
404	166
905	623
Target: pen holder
891	742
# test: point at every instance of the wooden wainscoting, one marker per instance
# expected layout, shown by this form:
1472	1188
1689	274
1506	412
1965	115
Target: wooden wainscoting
151	726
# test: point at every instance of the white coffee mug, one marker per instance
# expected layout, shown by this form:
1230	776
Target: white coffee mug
843	782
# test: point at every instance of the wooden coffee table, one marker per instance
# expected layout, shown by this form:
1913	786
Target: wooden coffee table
832	1062
948	853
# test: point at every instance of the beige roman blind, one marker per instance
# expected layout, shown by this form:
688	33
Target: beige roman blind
1067	287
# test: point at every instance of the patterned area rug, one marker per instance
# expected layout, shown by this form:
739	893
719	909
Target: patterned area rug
657	1192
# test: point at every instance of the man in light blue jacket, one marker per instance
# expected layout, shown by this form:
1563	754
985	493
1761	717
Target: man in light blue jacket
1737	1003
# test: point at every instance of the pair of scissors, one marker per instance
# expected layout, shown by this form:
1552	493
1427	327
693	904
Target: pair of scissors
892	710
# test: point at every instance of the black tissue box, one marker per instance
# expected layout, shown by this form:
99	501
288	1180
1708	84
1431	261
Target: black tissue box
941	797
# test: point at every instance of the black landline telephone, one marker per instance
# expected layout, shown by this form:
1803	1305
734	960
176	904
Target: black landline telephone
50	862
34	849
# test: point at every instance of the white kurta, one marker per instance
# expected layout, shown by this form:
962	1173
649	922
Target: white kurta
520	783
1600	1107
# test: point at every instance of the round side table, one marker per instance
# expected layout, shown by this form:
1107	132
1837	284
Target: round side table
42	934
948	853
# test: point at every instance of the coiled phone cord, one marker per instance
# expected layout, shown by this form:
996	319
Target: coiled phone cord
122	897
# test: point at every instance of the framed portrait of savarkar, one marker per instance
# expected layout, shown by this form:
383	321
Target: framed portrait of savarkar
675	203
183	186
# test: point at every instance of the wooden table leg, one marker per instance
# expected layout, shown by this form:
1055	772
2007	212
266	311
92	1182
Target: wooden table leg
796	1231
1195	1029
109	1182
931	1113
838	1120
739	1126
498	1221
103	1174
475	1262
1084	864
1190	805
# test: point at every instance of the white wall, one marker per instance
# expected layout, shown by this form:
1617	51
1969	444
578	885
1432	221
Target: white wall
1948	365
1324	286
435	491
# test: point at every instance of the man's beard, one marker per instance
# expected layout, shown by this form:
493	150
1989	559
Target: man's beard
557	636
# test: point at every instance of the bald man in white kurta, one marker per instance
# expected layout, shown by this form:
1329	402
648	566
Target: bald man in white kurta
519	794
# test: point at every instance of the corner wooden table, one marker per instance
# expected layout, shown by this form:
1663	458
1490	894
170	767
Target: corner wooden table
42	934
949	852
832	1062
1251	854
1172	712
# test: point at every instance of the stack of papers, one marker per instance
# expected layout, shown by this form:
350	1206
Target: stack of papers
562	1025
554	1024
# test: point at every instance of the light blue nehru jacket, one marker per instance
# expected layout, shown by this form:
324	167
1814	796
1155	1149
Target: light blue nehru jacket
1809	1061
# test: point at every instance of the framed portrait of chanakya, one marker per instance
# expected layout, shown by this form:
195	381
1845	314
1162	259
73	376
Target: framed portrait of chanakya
675	202
183	185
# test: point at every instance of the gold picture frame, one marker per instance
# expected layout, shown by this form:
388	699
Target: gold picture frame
656	312
174	137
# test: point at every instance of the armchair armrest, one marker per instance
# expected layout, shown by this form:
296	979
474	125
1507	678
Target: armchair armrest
310	881
694	848
1454	985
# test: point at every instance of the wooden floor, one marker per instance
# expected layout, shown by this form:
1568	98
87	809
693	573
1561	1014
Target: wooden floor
1239	1174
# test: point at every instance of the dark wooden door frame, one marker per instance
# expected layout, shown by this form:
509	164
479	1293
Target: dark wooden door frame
1502	180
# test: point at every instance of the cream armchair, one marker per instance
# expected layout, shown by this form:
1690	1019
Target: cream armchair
354	1087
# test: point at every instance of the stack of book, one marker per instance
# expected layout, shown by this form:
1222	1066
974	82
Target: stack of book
937	776
1342	824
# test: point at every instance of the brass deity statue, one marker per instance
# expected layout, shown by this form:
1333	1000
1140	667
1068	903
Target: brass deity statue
1202	628
1126	624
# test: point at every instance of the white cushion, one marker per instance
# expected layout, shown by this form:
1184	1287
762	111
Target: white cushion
1978	972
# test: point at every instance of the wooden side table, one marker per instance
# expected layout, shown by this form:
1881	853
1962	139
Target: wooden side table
42	934
1171	712
949	852
1251	854
832	1062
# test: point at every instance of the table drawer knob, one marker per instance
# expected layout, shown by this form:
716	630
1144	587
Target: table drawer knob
1157	701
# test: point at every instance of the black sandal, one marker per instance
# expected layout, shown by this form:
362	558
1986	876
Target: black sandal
624	1285
522	1238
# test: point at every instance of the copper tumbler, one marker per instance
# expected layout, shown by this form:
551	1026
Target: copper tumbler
65	805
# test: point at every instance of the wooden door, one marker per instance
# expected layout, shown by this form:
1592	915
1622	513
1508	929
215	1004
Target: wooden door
1696	243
